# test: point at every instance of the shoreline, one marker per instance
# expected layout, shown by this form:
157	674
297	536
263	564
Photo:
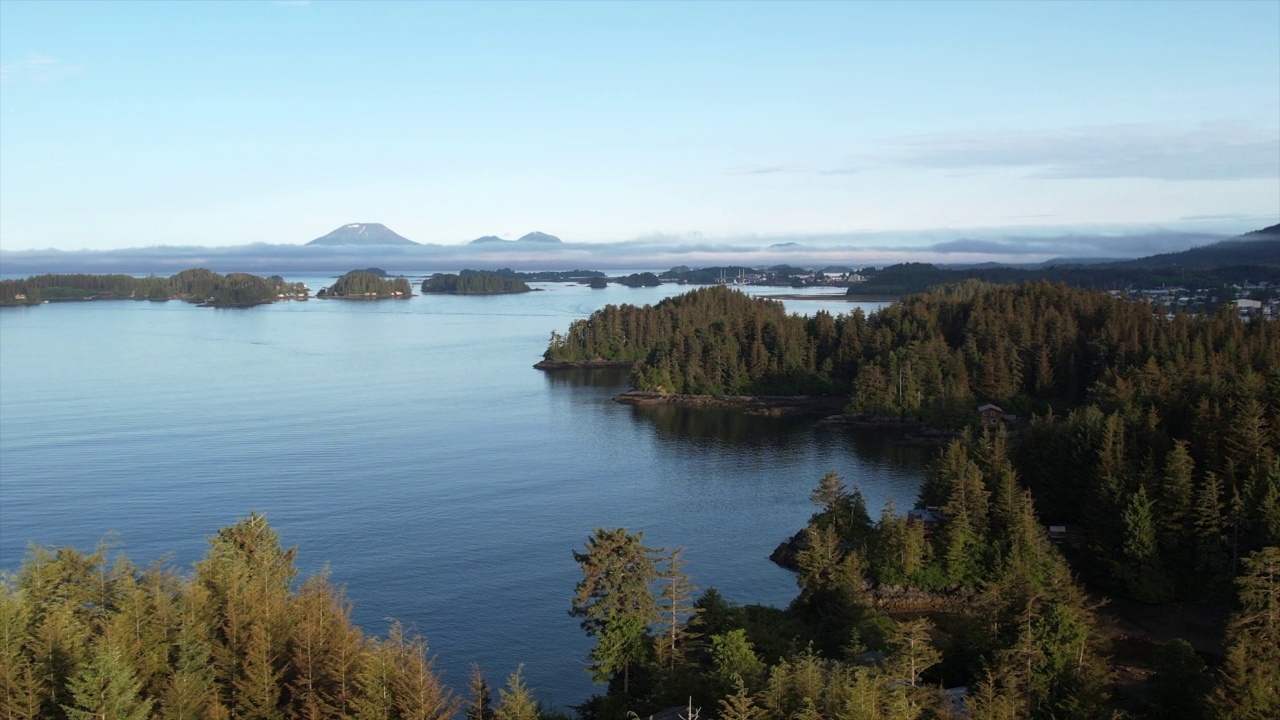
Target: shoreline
835	298
581	364
829	409
771	405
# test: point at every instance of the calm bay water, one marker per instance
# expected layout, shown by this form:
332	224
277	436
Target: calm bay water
410	447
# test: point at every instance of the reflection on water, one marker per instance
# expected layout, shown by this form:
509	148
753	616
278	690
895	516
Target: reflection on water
410	448
727	426
590	377
734	429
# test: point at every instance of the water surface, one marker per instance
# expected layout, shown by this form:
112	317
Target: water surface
411	448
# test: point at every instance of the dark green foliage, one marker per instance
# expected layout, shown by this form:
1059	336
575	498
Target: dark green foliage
362	285
1250	682
645	279
473	282
937	356
1216	265
547	275
195	285
1180	683
615	602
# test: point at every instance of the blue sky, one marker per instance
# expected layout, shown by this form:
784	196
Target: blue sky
226	123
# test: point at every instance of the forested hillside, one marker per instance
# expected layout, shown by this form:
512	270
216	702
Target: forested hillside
1155	442
93	636
1253	257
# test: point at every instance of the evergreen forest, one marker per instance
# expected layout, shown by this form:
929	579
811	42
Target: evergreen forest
363	285
473	282
195	285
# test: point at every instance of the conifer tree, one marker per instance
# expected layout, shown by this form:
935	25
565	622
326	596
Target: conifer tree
676	610
325	650
1176	493
913	650
258	694
480	704
517	703
106	688
189	692
415	685
735	660
1250	685
615	601
739	705
1207	525
1141	569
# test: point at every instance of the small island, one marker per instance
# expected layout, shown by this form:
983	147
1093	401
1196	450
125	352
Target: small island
644	279
363	285
473	282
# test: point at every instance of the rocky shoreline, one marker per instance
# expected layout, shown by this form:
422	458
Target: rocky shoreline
581	364
771	405
829	408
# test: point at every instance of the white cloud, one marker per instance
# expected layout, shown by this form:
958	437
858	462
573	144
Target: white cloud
36	68
757	169
1210	151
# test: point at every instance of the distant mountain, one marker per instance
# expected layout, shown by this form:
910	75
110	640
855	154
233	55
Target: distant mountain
362	234
533	237
1273	230
785	245
1260	247
539	237
1251	257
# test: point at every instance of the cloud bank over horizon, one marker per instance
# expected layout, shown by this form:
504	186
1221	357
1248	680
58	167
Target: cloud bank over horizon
654	252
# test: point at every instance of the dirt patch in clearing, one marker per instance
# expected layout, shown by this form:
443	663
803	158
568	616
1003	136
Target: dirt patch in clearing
1121	619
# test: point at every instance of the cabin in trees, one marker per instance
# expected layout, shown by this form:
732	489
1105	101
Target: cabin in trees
929	517
1066	535
991	415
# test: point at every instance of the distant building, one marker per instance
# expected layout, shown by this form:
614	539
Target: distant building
990	415
1066	535
929	517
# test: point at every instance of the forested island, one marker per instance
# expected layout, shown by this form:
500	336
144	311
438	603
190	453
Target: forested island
196	285
546	275
474	282
365	285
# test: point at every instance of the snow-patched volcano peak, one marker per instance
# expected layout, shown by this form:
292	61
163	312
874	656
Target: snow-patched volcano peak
362	234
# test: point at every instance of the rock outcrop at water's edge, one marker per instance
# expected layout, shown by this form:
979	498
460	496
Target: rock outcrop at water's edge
773	405
581	364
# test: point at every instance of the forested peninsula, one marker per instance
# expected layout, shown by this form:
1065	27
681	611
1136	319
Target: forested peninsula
196	285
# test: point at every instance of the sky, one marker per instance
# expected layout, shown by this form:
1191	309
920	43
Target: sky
849	125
